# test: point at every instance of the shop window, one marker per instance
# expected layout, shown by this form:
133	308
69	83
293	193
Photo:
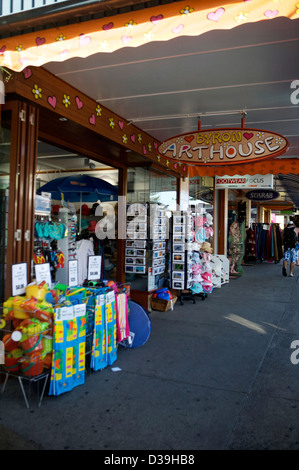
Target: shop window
163	189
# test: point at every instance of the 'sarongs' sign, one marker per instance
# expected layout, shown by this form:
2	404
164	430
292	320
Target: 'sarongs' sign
224	146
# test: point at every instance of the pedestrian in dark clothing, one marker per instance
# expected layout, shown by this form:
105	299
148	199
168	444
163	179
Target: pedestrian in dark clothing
290	252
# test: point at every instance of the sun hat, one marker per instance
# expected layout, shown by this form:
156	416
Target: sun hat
84	210
92	225
206	246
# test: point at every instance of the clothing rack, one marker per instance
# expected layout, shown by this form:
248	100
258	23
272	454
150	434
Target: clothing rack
263	243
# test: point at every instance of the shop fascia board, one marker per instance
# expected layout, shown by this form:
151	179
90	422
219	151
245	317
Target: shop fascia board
44	89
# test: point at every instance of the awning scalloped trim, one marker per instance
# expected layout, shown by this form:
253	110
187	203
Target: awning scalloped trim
274	167
133	29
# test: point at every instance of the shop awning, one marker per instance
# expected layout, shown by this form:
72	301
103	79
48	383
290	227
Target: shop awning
136	28
274	167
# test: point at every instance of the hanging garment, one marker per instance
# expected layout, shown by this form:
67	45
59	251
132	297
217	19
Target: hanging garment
84	249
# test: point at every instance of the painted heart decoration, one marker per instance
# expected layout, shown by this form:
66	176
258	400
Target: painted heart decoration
108	26
92	119
178	29
79	103
216	15
84	40
2	50
27	72
189	138
133	138
52	100
156	19
40	41
64	53
23	61
121	124
248	135
270	13
126	39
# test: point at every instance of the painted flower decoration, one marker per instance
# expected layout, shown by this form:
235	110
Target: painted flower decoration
61	37
19	48
139	138
111	123
103	45
99	110
260	135
125	138
149	147
241	17
206	159
187	10
66	101
297	8
148	36
130	24
37	92
278	140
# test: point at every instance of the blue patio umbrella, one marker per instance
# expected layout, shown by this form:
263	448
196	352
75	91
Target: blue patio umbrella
80	188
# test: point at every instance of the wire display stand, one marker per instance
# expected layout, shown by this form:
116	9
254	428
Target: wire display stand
22	379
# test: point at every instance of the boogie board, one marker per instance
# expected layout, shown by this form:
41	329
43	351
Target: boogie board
139	323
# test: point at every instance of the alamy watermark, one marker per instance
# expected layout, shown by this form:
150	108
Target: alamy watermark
132	220
295	94
295	354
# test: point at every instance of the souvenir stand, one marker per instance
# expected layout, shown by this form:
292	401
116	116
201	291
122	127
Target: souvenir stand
194	271
146	245
181	259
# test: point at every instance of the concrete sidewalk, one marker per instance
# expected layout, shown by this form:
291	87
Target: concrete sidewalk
214	375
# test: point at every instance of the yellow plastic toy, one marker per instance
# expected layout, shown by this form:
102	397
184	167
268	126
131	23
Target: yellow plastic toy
38	291
17	308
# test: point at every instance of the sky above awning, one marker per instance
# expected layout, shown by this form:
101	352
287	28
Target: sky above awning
137	28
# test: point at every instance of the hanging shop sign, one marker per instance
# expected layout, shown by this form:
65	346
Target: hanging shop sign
224	146
262	195
244	182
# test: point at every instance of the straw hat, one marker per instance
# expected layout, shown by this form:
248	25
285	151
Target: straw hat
206	247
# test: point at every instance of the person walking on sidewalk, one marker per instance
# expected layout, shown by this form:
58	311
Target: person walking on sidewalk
290	252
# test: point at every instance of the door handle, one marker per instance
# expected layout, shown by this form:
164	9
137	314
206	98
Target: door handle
27	236
18	235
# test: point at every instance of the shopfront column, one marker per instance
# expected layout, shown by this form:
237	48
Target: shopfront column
220	218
